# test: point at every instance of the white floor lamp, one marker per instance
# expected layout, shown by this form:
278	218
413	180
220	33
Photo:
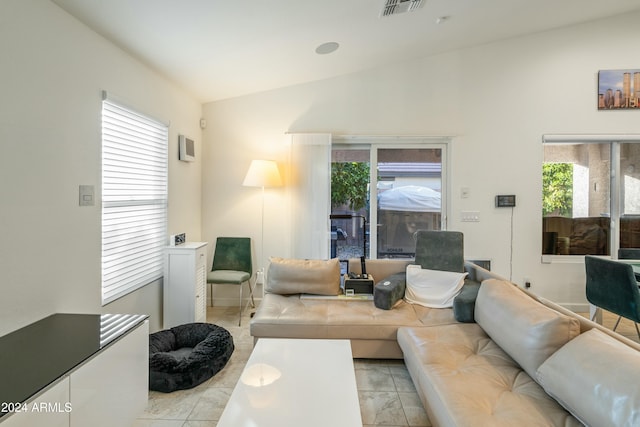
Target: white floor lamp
262	173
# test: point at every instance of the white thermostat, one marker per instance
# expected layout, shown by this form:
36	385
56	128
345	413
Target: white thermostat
187	150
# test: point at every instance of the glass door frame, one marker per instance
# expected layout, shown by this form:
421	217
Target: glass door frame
375	143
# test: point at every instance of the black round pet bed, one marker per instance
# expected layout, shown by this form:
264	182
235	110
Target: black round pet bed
187	355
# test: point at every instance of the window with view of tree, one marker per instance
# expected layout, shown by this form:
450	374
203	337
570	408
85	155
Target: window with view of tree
589	190
380	196
557	189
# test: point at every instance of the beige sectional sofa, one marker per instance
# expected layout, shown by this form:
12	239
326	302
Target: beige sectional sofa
373	332
524	361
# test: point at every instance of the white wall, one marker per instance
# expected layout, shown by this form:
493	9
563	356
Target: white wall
51	77
499	99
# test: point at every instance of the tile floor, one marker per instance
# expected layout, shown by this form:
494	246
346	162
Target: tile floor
387	395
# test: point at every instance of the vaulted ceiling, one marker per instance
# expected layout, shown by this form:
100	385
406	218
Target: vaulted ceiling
220	49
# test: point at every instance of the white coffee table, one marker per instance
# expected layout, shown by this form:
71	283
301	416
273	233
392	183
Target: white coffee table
295	382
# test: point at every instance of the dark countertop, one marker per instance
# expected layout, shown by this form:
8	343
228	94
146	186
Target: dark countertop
33	357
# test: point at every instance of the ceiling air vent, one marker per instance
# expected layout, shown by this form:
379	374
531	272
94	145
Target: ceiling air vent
394	7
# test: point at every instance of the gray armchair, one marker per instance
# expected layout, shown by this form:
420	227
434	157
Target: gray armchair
612	286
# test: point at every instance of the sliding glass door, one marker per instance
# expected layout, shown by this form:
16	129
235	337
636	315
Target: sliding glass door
381	195
630	200
409	196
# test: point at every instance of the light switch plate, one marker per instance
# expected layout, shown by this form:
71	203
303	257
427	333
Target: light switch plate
86	195
470	216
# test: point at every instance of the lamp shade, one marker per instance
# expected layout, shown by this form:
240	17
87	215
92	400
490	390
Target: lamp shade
262	173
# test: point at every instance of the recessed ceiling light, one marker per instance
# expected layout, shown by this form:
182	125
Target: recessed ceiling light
326	48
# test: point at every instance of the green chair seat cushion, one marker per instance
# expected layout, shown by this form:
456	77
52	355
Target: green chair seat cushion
227	276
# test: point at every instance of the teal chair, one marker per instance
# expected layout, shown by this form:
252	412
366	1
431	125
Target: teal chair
232	266
612	286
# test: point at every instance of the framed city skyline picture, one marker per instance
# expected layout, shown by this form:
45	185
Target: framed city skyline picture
619	89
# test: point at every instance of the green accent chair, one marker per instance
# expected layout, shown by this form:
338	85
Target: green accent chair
612	286
232	266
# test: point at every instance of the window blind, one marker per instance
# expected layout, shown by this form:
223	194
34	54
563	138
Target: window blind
134	199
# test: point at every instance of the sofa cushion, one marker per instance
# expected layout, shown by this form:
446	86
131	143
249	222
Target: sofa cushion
303	276
527	330
432	288
464	379
280	316
464	304
585	382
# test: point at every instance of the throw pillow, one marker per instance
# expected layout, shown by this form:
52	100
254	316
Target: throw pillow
390	290
303	276
432	288
595	377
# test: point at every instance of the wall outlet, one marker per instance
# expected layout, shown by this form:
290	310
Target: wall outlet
527	283
260	277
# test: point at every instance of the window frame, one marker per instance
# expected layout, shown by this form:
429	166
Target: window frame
375	143
124	268
615	198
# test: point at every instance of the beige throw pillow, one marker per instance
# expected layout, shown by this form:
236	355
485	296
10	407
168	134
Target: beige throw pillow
303	276
596	378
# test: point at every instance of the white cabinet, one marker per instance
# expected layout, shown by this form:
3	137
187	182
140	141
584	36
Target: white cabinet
51	408
111	389
108	388
185	284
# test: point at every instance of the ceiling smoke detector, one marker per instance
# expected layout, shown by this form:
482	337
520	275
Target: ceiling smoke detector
394	7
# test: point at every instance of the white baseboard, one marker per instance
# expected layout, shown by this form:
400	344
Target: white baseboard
231	302
575	307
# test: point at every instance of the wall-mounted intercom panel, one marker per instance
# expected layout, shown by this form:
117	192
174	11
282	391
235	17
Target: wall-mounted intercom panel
506	201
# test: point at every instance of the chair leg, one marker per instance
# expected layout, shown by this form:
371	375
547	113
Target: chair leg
616	325
240	307
637	330
253	302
